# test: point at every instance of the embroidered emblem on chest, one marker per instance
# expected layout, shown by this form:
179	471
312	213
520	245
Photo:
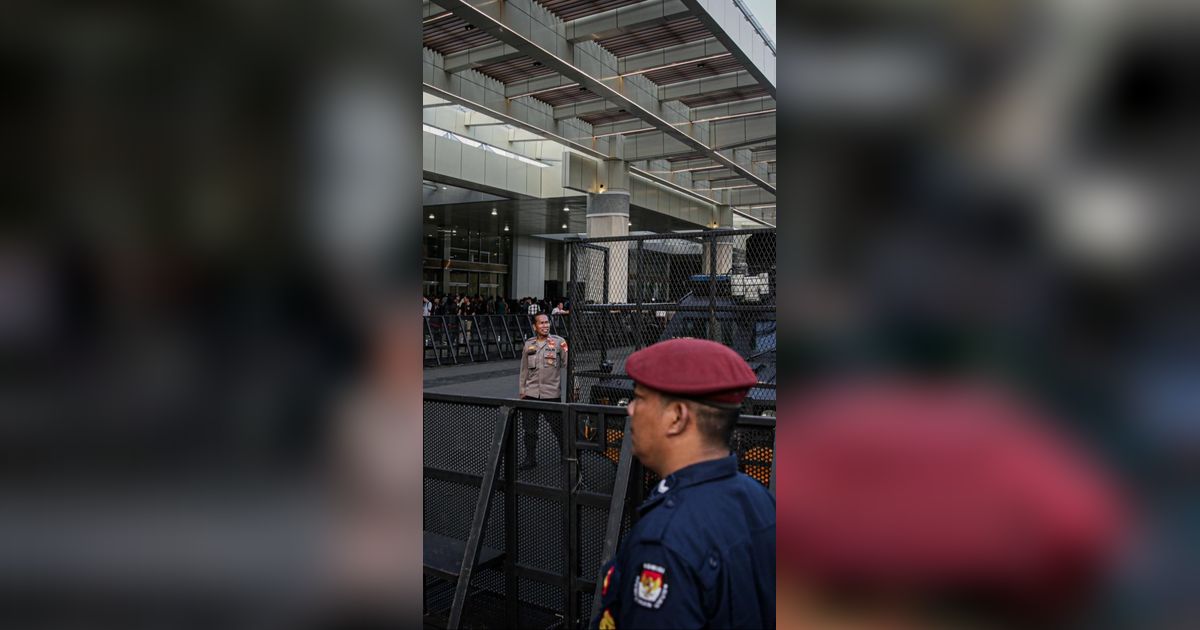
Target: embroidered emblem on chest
650	589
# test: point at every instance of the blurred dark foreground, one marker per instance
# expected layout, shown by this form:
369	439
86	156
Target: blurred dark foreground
996	196
209	410
207	419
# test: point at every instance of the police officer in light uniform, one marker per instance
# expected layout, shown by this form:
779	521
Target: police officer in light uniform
545	355
702	554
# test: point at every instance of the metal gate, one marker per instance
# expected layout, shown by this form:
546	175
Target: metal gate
549	531
629	292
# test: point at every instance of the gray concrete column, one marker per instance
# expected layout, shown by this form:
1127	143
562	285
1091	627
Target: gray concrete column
608	215
528	270
722	219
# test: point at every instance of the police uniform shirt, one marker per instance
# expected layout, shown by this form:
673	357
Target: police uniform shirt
701	556
540	367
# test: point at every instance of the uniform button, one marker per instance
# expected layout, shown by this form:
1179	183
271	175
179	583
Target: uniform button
670	502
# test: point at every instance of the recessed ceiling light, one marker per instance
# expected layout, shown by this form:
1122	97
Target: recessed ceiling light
566	209
443	188
493	212
431	216
564	226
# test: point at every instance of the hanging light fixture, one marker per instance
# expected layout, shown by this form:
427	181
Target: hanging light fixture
493	212
506	228
564	226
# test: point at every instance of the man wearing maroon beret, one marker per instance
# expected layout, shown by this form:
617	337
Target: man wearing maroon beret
702	553
937	505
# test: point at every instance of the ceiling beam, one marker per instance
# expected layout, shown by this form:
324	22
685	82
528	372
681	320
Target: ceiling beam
533	87
712	174
626	19
706	85
479	56
690	52
725	21
674	91
503	26
585	149
760	104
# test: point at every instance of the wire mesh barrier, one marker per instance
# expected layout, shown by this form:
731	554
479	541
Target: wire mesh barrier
455	339
630	292
541	540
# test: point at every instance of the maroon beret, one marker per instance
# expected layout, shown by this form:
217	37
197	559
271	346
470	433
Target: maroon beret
924	487
693	368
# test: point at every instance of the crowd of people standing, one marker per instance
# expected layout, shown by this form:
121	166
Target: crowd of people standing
466	305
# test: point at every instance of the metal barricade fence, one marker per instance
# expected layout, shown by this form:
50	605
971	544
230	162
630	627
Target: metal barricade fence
454	339
632	291
553	525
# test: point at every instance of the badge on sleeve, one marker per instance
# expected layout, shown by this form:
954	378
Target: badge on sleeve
607	577
650	589
607	622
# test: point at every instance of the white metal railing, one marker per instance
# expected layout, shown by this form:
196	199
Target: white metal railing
754	22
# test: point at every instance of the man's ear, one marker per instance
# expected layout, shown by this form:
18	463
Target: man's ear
678	417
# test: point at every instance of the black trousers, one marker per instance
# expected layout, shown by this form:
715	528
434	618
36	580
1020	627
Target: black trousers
529	422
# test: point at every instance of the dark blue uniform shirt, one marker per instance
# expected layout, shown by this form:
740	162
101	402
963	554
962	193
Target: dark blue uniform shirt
702	555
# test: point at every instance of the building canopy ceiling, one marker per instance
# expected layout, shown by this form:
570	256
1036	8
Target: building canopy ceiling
660	73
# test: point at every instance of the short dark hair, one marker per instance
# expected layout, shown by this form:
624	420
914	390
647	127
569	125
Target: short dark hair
715	423
537	315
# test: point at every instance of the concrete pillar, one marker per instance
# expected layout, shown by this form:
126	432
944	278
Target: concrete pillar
722	219
528	270
608	215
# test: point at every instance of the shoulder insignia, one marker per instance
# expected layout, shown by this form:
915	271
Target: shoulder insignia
607	577
607	622
650	589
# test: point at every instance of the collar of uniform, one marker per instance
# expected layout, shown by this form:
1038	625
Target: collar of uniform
692	475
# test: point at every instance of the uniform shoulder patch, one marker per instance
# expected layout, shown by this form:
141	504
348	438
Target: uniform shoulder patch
607	622
650	589
607	577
